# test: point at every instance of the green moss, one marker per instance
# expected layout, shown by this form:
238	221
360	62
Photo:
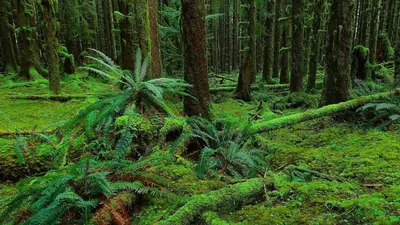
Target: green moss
233	108
297	100
141	123
363	51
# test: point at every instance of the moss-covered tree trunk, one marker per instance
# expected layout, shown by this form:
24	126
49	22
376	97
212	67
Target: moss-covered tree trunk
247	67
374	30
360	68
235	43
284	62
269	42
397	68
195	58
9	59
127	36
296	76
49	17
338	55
366	19
277	39
315	43
25	38
147	28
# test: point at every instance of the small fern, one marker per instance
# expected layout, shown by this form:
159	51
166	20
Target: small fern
384	114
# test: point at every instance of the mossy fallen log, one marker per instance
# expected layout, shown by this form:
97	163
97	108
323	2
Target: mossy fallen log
270	125
212	218
256	87
223	199
23	133
58	98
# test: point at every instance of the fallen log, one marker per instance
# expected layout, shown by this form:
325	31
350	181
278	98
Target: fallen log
23	133
237	194
257	87
58	98
274	124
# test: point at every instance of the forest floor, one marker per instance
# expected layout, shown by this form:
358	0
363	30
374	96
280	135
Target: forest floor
361	162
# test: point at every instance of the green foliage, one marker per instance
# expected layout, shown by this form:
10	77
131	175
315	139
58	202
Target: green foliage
78	188
227	152
384	114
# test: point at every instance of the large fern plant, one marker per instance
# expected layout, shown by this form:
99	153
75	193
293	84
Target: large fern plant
137	92
384	114
223	148
72	193
230	153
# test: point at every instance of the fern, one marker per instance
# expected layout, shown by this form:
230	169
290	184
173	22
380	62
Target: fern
385	114
78	188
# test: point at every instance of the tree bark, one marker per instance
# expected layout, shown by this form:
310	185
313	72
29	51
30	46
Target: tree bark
315	43
338	81
397	68
296	78
269	42
7	46
247	70
195	58
277	39
127	51
49	17
374	30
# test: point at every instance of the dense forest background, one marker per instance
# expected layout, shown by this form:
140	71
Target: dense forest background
199	111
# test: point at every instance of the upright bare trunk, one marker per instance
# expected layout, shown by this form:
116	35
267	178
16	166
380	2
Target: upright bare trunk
338	81
194	40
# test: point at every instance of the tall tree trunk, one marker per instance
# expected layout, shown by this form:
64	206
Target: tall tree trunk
315	43
247	70
338	81
277	39
374	30
24	38
195	62
296	78
269	42
397	68
235	43
126	27
7	46
49	17
366	19
156	63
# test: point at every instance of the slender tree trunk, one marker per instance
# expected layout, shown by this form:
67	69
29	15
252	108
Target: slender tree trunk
374	30
365	23
315	43
296	78
247	70
24	39
284	62
269	42
9	59
338	81
235	44
397	68
194	40
50	10
127	51
277	39
156	63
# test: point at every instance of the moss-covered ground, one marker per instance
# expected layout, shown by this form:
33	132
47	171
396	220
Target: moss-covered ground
362	163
